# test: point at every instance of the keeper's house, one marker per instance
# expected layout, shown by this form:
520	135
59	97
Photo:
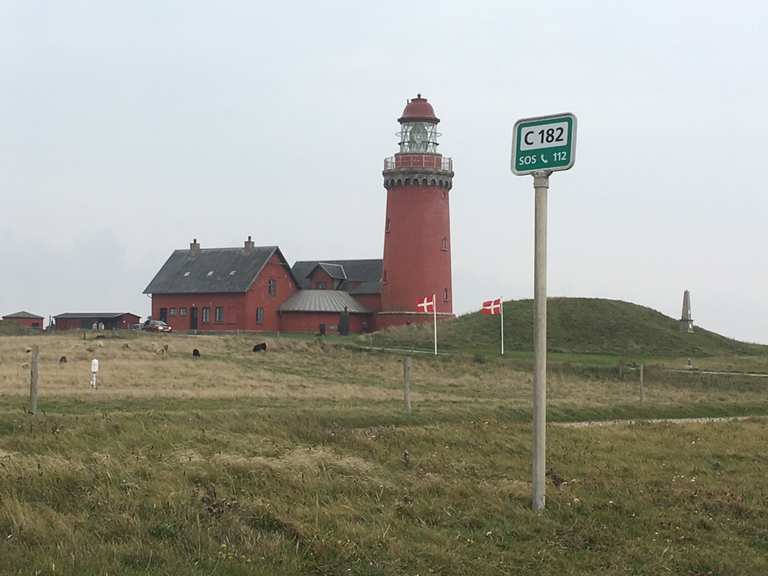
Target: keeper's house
26	319
253	288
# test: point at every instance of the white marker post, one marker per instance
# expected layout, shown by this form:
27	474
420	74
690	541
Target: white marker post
94	372
539	147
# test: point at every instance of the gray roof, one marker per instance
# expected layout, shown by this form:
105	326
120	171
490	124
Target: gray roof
23	315
93	315
322	301
213	270
368	272
366	288
335	271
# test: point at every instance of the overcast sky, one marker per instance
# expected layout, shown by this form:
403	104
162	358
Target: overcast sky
128	128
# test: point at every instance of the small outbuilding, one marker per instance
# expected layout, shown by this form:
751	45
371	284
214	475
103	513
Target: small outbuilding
26	319
323	312
87	320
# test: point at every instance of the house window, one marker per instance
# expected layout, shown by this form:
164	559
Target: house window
321	285
182	311
206	314
445	294
445	243
219	314
259	315
171	311
272	287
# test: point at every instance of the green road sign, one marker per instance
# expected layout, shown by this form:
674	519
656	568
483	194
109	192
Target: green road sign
546	143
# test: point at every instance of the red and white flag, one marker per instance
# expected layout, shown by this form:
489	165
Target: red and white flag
427	304
491	307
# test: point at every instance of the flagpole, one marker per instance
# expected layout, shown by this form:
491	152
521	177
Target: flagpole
434	317
502	325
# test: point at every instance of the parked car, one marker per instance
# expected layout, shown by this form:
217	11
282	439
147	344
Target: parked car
157	326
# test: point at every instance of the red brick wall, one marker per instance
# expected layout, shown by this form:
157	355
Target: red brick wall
370	301
36	323
258	295
69	324
310	322
320	276
239	309
231	303
122	323
415	261
126	320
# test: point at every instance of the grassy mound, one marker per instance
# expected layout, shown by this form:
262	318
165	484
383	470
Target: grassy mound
575	326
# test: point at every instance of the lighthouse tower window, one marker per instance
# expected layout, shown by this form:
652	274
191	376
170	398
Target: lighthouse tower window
445	294
445	244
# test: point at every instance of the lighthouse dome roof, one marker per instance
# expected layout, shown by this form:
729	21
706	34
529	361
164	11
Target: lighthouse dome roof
418	110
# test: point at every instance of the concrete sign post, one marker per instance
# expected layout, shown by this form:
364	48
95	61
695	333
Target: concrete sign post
541	146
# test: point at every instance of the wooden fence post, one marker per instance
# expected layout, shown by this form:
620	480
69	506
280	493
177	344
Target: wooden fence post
34	372
642	382
407	383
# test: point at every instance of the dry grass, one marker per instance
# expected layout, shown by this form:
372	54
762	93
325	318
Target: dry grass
292	462
307	370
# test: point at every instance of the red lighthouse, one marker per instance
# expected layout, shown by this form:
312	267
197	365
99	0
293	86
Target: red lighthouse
417	235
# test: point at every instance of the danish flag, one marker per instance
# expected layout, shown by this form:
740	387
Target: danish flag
491	307
427	304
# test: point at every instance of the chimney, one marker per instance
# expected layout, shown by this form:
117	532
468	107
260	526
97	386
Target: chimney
194	248
248	248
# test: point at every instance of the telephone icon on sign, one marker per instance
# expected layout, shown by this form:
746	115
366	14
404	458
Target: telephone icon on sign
543	159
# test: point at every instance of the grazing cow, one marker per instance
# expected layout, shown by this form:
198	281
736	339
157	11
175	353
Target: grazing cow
62	360
195	354
260	347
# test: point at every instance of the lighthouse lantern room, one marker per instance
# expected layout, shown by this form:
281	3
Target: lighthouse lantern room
417	245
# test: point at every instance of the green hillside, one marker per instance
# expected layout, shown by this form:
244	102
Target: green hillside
575	326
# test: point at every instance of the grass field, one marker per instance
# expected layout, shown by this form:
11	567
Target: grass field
293	462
